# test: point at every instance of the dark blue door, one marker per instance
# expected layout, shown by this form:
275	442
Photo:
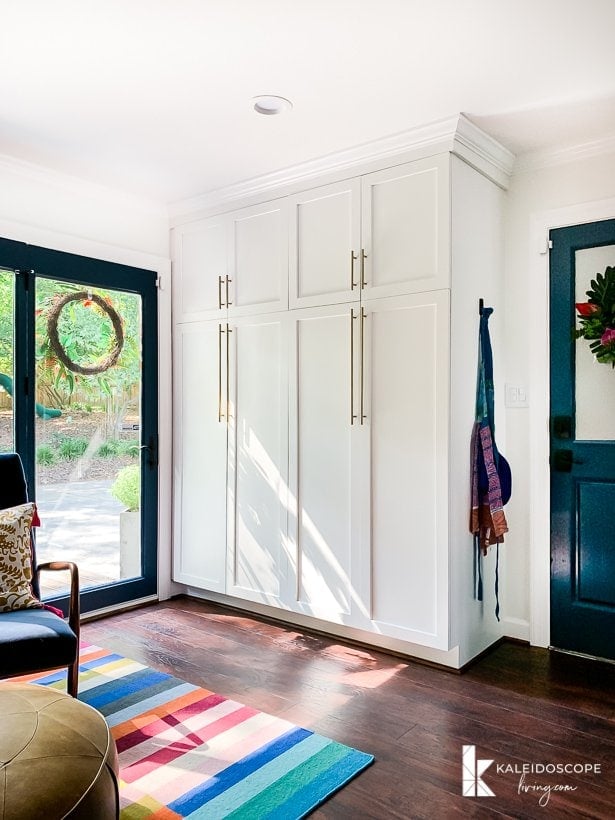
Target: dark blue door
582	441
78	367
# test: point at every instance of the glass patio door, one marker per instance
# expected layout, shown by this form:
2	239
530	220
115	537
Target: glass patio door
84	411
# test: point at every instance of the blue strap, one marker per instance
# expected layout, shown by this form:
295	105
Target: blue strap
497	592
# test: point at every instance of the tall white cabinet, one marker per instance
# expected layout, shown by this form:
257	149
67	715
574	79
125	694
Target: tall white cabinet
324	398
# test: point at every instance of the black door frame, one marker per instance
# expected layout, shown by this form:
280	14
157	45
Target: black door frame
29	262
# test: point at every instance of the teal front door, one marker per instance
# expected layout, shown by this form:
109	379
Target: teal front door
582	429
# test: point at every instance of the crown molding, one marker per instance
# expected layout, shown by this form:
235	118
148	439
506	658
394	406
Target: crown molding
456	134
484	152
550	157
77	186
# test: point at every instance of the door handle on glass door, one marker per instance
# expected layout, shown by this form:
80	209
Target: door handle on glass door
152	448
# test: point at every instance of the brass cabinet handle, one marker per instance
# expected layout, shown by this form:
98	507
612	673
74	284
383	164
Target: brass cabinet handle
353	256
363	258
352	413
228	392
362	368
219	293
227	284
220	332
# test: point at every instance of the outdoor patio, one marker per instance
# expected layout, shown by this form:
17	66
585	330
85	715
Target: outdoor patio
80	523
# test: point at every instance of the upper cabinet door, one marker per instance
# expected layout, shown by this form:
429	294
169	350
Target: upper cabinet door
201	268
258	255
405	228
324	235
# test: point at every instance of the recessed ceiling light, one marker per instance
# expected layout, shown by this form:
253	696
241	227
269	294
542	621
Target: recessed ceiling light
271	104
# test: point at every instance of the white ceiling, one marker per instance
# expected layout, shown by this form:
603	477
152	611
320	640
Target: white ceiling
153	96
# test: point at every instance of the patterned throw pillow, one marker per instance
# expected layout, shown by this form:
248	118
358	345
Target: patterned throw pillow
16	558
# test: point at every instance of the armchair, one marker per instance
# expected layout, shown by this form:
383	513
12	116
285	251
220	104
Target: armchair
35	639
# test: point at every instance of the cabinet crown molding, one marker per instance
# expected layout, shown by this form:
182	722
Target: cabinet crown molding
455	134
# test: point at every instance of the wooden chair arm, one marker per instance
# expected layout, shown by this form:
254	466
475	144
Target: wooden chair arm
73	603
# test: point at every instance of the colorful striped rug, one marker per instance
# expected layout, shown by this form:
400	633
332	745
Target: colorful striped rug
187	752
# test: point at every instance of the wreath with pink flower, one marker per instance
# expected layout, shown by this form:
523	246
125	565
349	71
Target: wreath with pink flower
597	317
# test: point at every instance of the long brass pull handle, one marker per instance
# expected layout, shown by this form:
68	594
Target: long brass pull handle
227	284
352	413
362	368
219	293
228	392
220	332
353	256
363	258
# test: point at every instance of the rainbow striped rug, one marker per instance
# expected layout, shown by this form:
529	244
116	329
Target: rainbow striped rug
187	752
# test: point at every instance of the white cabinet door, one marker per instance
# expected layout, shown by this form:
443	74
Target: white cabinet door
258	255
406	227
324	237
327	465
258	460
406	351
200	452
200	269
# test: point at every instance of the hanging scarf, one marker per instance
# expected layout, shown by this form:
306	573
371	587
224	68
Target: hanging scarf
490	477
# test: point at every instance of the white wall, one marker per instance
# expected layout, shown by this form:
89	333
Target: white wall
563	193
41	200
55	211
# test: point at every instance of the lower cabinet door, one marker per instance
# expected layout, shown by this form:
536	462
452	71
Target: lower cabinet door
258	566
200	456
406	401
327	465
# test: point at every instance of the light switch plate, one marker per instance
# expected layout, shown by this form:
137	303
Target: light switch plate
515	395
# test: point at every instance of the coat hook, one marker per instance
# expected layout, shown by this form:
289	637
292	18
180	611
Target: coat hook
481	304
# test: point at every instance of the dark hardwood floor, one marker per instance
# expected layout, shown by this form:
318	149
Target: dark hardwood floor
518	705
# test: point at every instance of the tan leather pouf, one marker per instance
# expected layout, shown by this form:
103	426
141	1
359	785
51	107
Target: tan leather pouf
57	757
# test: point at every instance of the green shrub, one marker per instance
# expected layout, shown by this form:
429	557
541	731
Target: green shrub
128	448
72	448
127	487
108	448
45	455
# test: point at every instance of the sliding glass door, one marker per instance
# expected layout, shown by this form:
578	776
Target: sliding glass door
78	401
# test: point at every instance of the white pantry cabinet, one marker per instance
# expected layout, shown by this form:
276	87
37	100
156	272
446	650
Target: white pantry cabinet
258	563
200	269
386	233
200	455
234	264
368	464
258	259
406	362
324	242
322	424
232	443
327	465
